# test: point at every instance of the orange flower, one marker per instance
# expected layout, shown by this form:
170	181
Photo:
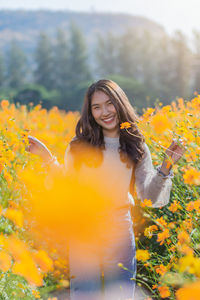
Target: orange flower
161	269
161	222
43	260
192	176
174	206
183	237
160	123
28	269
5	261
36	294
189	292
154	286
163	236
146	203
190	206
125	125
4	104
164	291
15	215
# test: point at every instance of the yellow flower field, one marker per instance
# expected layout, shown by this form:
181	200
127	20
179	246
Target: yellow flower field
168	240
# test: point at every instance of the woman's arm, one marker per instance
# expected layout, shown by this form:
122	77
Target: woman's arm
150	184
38	148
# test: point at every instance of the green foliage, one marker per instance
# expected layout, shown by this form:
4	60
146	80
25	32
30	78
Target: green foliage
17	66
44	62
78	65
36	94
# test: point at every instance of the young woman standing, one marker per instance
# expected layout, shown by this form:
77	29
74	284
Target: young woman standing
124	154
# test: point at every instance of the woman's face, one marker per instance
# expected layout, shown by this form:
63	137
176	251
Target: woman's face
105	114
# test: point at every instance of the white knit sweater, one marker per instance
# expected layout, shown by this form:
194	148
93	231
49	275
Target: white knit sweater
150	184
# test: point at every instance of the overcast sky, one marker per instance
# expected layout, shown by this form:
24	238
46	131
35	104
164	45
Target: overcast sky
173	14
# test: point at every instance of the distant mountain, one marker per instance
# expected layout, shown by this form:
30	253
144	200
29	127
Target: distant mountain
25	26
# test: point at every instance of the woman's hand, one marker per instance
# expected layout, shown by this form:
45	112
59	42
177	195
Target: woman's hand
174	153
37	147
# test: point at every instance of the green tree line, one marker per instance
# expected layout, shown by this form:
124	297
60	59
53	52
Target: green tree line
149	68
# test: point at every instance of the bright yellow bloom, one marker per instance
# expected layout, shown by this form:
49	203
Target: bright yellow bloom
192	176
142	255
160	123
148	232
15	215
28	269
189	264
43	260
36	294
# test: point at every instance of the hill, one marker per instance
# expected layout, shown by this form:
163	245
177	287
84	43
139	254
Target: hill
24	26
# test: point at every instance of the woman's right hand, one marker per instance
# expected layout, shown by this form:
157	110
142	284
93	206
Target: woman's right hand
37	147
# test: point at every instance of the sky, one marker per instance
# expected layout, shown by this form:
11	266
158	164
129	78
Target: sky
172	14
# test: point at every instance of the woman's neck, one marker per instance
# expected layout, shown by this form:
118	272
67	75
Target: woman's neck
114	134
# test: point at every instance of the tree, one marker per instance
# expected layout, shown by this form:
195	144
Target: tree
36	94
2	71
128	54
78	64
196	61
61	62
44	72
165	68
107	55
182	65
16	66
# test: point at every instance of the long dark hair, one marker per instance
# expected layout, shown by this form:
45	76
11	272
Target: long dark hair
89	132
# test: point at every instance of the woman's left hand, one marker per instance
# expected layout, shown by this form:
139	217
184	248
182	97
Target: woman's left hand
174	152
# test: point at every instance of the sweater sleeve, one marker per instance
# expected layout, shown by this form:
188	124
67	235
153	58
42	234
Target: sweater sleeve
150	184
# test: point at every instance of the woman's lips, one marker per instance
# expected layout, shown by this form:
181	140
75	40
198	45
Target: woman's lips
109	120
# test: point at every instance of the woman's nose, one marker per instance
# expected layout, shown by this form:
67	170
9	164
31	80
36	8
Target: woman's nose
105	111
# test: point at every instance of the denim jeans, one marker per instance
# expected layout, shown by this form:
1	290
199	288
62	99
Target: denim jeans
106	280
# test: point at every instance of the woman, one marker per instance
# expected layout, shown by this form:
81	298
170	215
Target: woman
123	152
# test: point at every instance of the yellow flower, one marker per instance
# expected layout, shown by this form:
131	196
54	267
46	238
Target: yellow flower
160	123
148	232
15	215
192	176
36	294
43	260
142	255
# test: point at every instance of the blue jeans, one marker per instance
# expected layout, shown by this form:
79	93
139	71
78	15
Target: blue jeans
107	281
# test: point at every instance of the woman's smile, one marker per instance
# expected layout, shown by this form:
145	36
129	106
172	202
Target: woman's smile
105	114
